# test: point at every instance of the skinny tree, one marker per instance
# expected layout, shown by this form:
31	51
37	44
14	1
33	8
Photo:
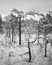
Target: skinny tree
29	51
19	30
19	15
45	27
1	22
30	30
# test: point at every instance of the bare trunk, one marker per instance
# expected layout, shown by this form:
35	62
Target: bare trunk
45	43
12	35
45	50
38	36
9	33
29	52
38	33
20	31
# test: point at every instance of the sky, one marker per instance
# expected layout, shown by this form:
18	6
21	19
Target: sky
25	5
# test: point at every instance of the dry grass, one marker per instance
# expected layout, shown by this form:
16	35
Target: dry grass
16	55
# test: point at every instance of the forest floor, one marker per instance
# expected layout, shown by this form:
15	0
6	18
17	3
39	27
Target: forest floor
13	54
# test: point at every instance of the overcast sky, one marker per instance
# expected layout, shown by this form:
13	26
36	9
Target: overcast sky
40	5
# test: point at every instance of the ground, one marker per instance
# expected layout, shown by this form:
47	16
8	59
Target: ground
13	54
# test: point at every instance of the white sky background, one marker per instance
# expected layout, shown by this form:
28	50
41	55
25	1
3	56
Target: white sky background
39	5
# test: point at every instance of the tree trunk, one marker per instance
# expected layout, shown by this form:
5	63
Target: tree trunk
45	43
20	31
12	35
38	33
9	32
45	50
38	36
29	52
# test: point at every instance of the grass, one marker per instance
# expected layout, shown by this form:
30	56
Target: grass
18	55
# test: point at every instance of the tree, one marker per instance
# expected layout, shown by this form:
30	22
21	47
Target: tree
14	25
45	32
19	15
29	49
28	28
1	23
10	25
